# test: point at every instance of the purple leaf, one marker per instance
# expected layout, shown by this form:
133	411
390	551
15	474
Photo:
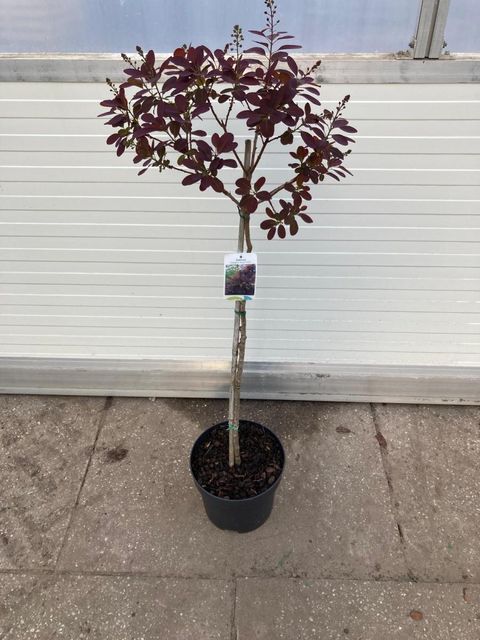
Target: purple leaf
309	140
343	140
150	58
113	138
346	128
249	203
293	227
217	185
258	50
243	186
292	64
305	217
263	195
191	179
267	224
259	183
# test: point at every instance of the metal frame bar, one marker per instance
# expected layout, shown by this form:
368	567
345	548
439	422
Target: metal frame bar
438	34
263	380
335	68
429	37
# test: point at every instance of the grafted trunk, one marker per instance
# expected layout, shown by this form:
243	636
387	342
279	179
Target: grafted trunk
239	338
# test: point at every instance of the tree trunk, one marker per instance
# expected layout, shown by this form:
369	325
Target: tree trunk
239	340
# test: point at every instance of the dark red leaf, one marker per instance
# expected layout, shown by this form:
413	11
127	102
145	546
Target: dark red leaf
313	100
309	140
224	143
150	58
343	140
271	233
217	185
204	149
191	179
346	128
267	224
113	138
267	128
249	203
134	73
305	217
257	50
135	83
243	186
281	231
259	183
286	137
302	152
292	64
205	182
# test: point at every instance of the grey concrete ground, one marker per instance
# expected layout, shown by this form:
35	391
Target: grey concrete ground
374	534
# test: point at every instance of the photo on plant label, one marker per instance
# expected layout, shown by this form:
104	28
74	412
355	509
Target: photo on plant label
240	279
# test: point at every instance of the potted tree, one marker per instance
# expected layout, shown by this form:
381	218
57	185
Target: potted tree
157	112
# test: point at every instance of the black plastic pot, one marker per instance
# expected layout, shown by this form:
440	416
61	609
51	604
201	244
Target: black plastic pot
242	515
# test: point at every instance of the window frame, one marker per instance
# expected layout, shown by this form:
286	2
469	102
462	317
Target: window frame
422	63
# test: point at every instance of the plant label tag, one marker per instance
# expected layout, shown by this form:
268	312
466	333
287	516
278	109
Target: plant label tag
240	275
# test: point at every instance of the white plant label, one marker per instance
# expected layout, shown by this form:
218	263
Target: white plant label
240	276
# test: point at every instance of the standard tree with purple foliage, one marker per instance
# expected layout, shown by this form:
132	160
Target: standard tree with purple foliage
156	110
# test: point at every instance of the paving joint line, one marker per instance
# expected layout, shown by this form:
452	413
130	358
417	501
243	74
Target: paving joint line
160	576
101	423
387	470
233	618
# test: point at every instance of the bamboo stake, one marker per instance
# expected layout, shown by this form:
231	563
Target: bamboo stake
239	339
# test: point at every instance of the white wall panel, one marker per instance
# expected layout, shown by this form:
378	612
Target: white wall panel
96	262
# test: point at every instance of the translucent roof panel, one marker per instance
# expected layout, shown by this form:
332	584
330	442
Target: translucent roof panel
103	26
462	33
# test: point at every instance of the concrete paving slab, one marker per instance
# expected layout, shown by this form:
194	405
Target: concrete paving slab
433	456
114	608
45	444
289	609
139	510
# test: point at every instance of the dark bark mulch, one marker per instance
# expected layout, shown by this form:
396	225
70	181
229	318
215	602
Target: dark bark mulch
262	462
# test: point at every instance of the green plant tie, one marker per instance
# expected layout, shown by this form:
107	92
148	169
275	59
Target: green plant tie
240	313
232	427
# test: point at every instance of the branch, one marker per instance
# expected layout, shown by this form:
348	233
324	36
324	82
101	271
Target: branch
222	125
260	154
232	198
246	230
282	186
176	168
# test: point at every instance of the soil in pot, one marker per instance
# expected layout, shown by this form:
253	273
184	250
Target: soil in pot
262	462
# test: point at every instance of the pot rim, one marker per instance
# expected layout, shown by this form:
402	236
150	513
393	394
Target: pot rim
238	500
